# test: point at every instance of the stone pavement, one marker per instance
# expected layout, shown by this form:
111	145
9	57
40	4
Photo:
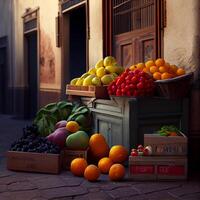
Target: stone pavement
35	186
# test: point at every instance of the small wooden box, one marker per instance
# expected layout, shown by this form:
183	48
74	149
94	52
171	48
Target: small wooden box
88	91
158	168
167	145
33	162
69	155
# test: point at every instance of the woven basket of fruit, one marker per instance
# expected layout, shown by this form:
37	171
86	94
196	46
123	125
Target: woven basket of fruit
175	87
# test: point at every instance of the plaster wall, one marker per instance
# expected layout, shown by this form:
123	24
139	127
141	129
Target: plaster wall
48	50
96	32
6	29
181	35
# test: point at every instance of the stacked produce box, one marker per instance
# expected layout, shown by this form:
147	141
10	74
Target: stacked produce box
164	156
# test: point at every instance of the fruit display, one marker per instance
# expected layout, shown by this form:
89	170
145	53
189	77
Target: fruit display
159	69
104	72
32	142
168	131
109	160
56	115
135	83
142	151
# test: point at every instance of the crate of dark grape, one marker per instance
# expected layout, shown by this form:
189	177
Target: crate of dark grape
33	153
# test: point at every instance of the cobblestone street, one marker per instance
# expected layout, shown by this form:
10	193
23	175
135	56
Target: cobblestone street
34	186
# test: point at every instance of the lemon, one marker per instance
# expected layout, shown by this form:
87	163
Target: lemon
100	72
79	82
88	80
111	69
107	79
85	75
96	81
73	81
92	71
109	60
99	64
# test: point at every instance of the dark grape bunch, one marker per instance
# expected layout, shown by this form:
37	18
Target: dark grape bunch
31	142
30	130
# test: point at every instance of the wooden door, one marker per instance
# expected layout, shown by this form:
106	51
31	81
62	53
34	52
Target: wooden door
135	29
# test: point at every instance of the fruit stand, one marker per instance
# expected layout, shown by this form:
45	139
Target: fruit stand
117	110
124	120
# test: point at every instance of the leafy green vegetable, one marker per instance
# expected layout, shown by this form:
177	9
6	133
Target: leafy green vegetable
166	130
49	115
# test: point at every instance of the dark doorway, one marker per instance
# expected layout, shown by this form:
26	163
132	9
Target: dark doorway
77	40
3	78
32	74
74	44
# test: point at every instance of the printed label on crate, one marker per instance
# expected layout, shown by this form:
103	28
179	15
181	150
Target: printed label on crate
142	169
170	149
171	170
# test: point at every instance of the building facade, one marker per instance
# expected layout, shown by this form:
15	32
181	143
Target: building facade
43	44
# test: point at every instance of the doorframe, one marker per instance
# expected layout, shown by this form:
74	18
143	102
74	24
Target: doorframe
4	45
31	19
160	24
64	37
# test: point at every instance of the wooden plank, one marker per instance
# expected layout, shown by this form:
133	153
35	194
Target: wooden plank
167	145
33	162
158	168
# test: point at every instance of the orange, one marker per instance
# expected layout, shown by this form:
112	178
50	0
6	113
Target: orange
98	146
141	66
166	75
72	126
118	154
157	75
163	69
180	71
149	64
167	65
78	166
173	68
160	62
104	165
91	173
133	67
117	172
146	70
154	69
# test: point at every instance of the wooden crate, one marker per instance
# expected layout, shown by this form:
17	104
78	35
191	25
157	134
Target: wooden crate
68	155
158	168
33	162
88	91
167	145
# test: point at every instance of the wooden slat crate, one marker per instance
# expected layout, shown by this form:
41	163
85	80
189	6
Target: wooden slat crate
34	162
69	155
146	168
167	145
88	91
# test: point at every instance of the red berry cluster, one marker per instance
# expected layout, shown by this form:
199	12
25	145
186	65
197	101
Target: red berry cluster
132	83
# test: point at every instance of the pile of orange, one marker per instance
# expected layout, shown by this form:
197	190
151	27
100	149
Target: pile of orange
110	161
160	69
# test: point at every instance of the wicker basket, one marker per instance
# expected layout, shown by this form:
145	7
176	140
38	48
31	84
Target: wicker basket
176	87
